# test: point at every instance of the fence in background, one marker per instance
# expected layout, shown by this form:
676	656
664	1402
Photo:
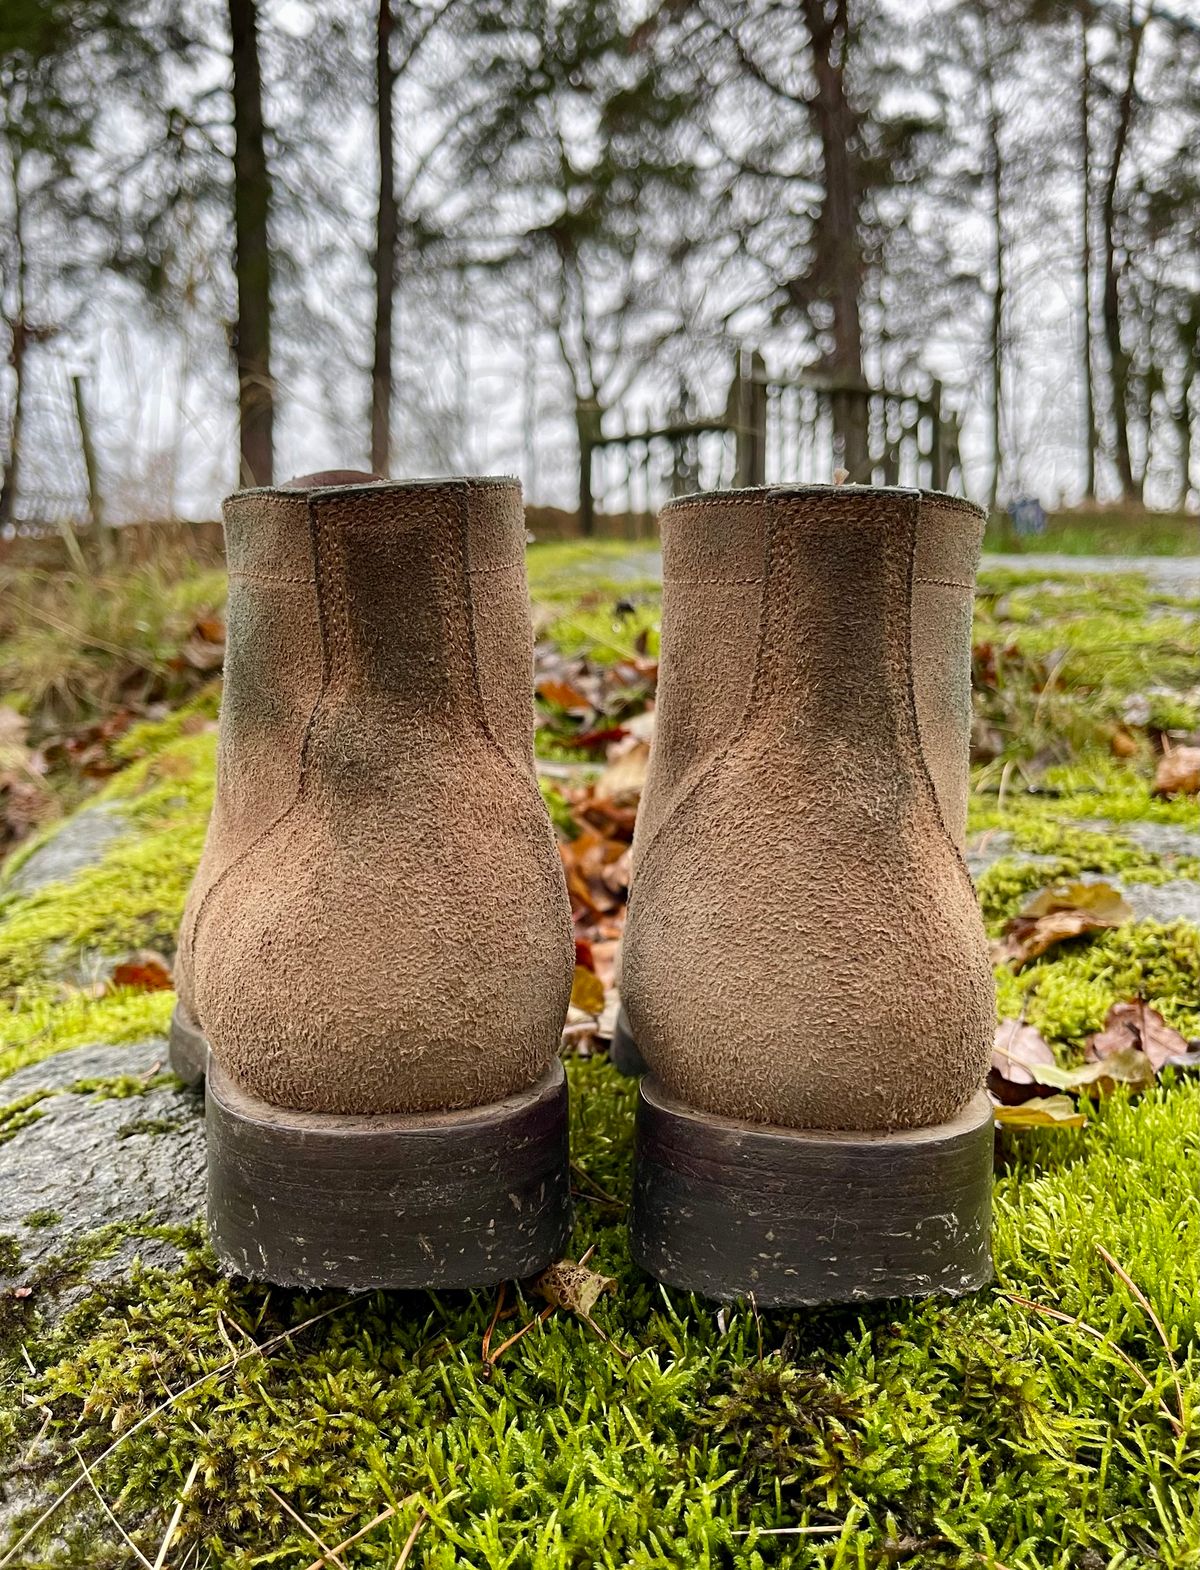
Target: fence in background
773	431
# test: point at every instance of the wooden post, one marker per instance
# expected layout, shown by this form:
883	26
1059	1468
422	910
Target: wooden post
587	426
747	412
939	476
103	539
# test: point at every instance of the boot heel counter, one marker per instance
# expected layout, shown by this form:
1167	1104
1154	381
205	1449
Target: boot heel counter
803	943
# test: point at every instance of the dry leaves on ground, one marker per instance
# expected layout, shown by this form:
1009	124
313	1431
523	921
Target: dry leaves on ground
573	1286
1028	1086
1136	1027
26	802
1178	772
1065	910
204	648
144	971
1052	1112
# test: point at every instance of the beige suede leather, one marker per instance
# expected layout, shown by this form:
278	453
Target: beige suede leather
380	922
803	945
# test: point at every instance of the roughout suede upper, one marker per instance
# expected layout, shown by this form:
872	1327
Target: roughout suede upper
803	945
380	921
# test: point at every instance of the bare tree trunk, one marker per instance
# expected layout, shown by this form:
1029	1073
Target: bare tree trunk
839	259
8	485
252	261
386	231
16	357
1191	346
1085	254
1118	359
996	336
587	428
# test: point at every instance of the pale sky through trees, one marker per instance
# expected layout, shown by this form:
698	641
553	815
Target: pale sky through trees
481	382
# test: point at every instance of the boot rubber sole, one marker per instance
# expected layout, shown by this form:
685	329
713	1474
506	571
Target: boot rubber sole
187	1050
733	1210
623	1051
387	1200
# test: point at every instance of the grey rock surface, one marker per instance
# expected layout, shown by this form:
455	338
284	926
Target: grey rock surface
1174	575
1168	840
89	1160
1178	900
78	844
1175	900
1166	574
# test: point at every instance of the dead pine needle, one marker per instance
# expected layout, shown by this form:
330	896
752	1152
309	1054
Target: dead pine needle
104	1505
1160	1328
485	1349
331	1555
788	1531
1096	1335
410	1541
176	1517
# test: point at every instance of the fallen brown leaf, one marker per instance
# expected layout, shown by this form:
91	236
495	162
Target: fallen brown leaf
1018	1051
1135	1025
624	778
145	971
564	695
1065	910
211	629
1122	744
586	861
1178	772
573	1286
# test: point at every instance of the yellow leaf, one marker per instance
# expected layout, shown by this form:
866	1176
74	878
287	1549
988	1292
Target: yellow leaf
1048	1112
587	991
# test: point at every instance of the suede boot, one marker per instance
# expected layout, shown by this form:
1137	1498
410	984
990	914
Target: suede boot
376	958
804	968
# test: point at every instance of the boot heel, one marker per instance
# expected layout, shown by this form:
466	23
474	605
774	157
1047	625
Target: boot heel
800	1217
187	1050
437	1200
623	1053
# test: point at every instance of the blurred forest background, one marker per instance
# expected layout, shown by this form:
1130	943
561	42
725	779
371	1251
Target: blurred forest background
616	246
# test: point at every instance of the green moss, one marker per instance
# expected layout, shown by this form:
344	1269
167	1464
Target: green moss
940	1435
976	1429
607	634
10	1255
559	809
1067	992
21	1113
41	1218
148	1126
45	1022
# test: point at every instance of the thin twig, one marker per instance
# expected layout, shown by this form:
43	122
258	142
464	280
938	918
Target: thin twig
603	1193
104	1505
1154	1320
157	1411
1090	1330
493	1322
538	1319
331	1554
418	1527
626	1357
176	1517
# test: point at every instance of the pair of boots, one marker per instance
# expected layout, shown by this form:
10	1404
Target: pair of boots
376	955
